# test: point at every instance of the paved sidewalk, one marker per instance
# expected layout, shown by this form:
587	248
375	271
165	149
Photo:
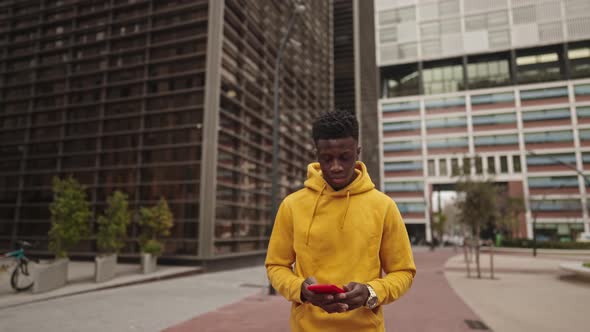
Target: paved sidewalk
430	306
81	280
526	294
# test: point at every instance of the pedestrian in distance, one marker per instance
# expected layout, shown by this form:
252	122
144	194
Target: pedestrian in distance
339	230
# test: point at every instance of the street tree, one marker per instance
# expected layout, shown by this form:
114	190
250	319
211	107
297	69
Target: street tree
70	216
155	222
112	226
477	207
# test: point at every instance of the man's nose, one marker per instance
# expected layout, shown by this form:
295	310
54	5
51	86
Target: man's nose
336	167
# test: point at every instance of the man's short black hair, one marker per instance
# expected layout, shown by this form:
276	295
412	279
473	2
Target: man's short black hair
337	124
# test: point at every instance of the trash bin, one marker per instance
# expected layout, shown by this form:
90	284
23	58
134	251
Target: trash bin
498	240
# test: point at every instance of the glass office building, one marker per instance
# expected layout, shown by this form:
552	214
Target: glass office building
495	89
158	99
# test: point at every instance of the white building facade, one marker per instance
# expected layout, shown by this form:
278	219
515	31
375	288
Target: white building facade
495	89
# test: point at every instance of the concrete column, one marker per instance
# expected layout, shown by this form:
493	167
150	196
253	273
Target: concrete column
208	190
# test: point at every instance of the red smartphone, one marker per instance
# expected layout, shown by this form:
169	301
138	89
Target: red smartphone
325	289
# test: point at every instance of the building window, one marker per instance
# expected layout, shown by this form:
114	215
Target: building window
447	104
538	66
401	146
554	114
478	165
553	182
582	90
446	122
496	140
556	205
516	164
466	165
403	166
493	99
551	159
489	71
443	77
549	137
491	165
494	119
442	143
584	134
401	107
405	207
400	81
407	186
401	126
540	94
503	164
431	168
442	167
579	58
455	170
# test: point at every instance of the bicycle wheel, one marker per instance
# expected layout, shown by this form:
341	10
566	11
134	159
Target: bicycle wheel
21	280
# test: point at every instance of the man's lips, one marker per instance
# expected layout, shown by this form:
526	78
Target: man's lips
338	180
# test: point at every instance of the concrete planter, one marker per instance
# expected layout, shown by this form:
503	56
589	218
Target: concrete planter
49	276
148	263
578	268
105	267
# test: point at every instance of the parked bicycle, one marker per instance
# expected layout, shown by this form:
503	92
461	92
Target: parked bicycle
21	279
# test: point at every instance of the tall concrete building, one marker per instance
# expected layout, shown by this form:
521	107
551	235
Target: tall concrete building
355	74
158	99
495	89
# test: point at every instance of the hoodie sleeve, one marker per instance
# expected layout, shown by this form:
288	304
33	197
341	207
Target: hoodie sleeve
281	256
396	258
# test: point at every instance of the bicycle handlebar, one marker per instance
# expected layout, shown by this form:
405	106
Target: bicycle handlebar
24	244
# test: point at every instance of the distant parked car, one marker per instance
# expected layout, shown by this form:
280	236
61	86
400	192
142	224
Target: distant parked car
583	237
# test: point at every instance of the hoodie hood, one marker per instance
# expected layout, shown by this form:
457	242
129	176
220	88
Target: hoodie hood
315	181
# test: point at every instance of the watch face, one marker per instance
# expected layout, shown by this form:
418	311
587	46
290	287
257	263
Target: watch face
372	301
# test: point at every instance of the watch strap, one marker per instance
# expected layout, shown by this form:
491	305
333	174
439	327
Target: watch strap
372	300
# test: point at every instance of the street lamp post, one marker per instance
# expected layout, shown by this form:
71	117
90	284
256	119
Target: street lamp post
276	124
535	232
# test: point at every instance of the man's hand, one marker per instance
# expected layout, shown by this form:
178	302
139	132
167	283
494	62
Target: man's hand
356	295
328	302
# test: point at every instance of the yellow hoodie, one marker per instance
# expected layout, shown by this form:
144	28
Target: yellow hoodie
354	234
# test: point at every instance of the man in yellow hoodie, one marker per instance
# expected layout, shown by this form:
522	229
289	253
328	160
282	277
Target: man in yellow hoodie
339	230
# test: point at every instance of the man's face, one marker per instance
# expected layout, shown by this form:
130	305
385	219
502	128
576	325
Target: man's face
337	158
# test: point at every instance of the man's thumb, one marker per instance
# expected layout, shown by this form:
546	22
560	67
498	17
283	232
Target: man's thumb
311	281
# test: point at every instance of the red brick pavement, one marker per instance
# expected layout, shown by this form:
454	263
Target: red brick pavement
430	306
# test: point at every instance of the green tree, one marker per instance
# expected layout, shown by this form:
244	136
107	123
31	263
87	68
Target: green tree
477	207
70	214
155	222
112	226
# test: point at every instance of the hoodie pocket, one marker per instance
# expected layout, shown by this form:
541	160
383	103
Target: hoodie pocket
374	316
298	311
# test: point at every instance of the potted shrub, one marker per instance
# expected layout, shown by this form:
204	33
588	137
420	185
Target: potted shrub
112	228
155	222
70	213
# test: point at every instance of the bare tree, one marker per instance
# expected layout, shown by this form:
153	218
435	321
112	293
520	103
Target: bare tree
477	207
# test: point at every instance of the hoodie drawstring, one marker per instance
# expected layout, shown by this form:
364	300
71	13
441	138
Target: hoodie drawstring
345	211
315	206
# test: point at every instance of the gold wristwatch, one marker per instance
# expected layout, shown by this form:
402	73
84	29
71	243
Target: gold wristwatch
372	300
